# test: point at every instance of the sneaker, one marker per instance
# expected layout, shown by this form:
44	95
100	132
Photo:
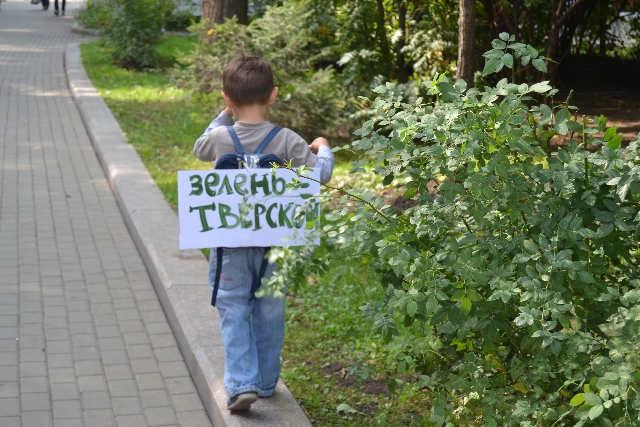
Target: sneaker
55	12
241	401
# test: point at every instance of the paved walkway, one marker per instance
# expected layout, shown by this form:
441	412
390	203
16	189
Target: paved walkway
83	338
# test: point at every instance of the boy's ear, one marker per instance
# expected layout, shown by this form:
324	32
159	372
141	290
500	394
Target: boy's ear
227	100
274	94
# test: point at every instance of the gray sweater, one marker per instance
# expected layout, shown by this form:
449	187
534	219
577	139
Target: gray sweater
287	145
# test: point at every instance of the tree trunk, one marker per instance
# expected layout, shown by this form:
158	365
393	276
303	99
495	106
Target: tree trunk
381	33
403	74
217	10
467	42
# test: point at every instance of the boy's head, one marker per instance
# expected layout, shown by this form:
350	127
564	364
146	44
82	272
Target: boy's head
248	80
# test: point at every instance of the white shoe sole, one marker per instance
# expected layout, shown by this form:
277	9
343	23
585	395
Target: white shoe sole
244	401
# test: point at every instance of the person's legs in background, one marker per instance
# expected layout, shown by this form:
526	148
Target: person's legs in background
55	7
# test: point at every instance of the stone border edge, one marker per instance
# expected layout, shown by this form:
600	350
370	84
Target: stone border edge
129	179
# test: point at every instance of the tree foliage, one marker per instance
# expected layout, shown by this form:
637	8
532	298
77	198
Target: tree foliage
513	289
133	30
309	99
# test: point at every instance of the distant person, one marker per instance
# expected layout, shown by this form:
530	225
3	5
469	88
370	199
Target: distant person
55	6
252	328
45	4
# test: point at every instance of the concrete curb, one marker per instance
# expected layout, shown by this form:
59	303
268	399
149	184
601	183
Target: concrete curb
77	29
179	277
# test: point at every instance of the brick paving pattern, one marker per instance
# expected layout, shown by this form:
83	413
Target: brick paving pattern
83	338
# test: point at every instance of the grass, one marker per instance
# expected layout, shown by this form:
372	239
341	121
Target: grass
328	343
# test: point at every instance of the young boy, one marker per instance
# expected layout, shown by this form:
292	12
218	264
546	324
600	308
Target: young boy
252	328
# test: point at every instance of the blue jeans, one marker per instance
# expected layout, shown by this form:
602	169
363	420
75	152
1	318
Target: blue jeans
252	329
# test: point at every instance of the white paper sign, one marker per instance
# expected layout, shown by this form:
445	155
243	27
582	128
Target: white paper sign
239	208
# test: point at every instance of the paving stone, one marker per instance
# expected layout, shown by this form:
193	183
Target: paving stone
99	418
84	341
34	384
9	407
67	409
96	400
197	418
37	418
66	391
36	401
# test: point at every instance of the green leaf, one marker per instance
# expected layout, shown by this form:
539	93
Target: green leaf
563	115
602	122
507	59
574	126
530	246
596	411
504	36
498	44
541	87
610	133
466	304
343	407
539	64
412	307
577	400
445	87
588	233
521	258
605	230
615	142
592	399
492	65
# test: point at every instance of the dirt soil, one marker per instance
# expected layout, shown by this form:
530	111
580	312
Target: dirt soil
608	86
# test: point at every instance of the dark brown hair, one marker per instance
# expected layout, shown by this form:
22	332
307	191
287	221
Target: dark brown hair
248	80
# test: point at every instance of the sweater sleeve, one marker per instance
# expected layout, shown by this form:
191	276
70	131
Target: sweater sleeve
325	163
203	148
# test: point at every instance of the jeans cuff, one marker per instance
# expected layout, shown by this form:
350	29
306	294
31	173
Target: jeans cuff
267	392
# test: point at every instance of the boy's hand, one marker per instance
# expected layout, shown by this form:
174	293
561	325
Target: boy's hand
229	111
317	143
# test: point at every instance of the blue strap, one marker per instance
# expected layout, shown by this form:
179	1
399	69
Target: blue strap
216	282
267	140
234	138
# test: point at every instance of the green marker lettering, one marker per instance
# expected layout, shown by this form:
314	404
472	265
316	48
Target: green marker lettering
259	210
210	182
270	221
225	211
283	217
196	185
203	217
274	185
263	183
238	183
226	186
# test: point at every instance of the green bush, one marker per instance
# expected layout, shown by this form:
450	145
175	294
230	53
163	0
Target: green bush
309	100
134	30
517	280
180	20
95	15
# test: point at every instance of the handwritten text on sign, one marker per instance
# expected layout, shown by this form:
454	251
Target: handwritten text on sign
238	208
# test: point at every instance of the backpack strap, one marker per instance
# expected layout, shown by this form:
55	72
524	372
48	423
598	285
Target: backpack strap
257	281
234	138
267	140
216	282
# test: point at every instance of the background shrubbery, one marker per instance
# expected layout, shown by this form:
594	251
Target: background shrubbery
309	100
516	275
